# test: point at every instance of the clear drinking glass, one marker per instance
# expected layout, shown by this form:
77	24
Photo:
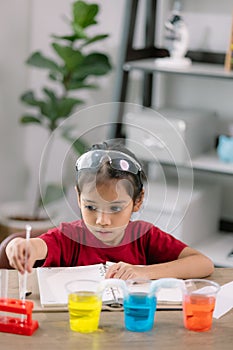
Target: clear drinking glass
84	305
199	296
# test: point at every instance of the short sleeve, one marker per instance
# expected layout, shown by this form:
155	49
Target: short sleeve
162	247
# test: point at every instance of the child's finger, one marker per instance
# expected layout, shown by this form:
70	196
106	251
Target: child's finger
112	271
30	263
17	264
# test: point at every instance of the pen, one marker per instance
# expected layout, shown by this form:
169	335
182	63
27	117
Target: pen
24	286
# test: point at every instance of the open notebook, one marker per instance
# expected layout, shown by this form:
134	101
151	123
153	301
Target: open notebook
53	293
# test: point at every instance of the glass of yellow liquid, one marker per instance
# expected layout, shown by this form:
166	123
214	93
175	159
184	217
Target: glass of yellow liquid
84	305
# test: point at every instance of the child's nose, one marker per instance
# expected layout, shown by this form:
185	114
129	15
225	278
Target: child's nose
103	218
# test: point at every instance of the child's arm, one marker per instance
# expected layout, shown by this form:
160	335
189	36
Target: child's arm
35	248
190	264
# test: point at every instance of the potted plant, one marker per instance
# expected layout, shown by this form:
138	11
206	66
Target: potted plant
74	67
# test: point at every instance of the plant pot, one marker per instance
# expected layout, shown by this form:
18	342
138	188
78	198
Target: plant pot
14	216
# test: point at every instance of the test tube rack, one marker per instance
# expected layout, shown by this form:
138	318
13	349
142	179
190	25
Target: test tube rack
24	325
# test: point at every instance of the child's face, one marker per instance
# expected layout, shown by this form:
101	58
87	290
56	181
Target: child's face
106	210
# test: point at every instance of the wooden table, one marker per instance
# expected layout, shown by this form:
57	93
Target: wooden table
168	331
220	275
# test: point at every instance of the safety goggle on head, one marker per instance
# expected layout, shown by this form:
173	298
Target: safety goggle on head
117	160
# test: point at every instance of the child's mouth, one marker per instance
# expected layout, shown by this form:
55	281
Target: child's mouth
104	232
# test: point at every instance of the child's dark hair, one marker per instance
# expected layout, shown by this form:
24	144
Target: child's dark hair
105	171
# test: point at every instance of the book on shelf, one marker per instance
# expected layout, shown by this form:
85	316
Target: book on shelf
52	281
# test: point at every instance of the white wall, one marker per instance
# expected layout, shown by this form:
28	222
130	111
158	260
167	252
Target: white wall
14	16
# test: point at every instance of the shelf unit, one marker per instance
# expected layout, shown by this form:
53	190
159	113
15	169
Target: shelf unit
205	65
205	70
208	162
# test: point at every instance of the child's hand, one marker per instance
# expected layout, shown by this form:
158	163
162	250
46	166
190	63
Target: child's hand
125	271
16	251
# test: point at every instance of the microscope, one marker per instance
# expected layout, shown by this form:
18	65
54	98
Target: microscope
177	38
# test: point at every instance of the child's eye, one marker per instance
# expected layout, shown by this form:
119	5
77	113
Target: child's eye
90	207
116	209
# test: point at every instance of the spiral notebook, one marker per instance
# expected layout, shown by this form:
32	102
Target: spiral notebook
52	281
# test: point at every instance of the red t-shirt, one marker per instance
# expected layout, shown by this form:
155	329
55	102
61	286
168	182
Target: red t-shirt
143	244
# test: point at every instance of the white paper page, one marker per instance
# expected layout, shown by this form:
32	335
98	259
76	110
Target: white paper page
52	281
169	296
164	295
224	300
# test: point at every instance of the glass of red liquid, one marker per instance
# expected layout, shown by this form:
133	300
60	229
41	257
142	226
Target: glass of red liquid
199	297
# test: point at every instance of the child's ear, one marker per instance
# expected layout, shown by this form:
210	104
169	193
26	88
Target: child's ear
78	196
138	202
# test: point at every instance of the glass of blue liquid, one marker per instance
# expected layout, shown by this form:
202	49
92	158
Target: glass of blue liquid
139	311
139	299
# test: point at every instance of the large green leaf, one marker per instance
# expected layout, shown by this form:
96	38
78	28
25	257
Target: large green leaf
71	57
50	93
70	38
79	31
97	64
48	110
65	106
29	98
79	84
40	61
95	38
55	77
93	64
29	119
46	107
84	14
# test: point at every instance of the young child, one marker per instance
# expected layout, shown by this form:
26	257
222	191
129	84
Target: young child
109	189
